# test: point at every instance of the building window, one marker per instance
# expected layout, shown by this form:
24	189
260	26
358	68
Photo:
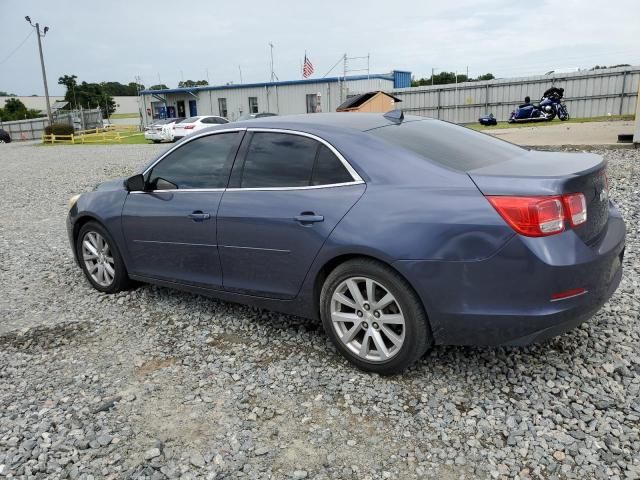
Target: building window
222	107
253	104
313	103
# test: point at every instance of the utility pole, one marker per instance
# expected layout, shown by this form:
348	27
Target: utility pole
44	73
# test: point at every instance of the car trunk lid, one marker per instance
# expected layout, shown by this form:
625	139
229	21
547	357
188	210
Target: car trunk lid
550	173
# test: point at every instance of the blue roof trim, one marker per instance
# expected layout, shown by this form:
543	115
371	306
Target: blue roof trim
383	76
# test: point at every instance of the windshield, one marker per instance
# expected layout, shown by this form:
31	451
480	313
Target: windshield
191	120
448	144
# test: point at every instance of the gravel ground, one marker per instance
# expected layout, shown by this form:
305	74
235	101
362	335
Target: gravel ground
155	383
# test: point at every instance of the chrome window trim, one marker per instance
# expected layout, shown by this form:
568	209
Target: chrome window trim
173	190
357	180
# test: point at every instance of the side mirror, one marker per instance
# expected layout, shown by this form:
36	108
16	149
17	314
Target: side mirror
135	183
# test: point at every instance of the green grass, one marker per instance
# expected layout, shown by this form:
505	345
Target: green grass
124	115
136	139
612	118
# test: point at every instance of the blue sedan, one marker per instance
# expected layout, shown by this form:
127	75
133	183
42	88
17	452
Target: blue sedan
398	232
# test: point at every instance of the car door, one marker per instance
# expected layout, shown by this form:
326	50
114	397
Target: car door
287	193
170	228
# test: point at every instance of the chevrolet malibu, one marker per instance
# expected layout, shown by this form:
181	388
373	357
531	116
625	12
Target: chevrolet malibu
398	232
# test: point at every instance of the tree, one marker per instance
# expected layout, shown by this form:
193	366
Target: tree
486	76
600	67
14	109
87	95
6	94
118	89
191	83
444	78
160	86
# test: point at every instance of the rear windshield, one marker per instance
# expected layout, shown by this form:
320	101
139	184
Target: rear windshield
450	145
162	122
191	120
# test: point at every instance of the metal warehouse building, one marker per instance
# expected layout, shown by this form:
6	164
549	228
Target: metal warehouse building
288	97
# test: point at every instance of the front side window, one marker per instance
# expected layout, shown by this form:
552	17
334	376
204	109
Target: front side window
253	104
286	160
222	107
201	163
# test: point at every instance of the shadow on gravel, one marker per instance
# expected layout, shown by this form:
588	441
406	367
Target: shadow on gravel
45	337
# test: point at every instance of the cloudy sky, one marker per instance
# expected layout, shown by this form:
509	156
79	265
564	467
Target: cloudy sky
171	40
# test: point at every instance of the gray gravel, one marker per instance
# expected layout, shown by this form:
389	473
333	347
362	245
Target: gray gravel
155	383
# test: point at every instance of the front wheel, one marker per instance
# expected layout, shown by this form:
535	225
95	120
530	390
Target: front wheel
100	259
373	317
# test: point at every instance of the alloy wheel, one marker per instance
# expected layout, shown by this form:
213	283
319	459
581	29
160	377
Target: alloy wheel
98	259
368	319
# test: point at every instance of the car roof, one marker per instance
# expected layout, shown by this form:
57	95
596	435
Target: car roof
323	121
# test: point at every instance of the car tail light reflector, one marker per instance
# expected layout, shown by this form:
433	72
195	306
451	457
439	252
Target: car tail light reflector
576	208
531	216
574	292
188	127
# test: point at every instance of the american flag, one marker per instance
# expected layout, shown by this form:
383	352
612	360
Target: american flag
307	67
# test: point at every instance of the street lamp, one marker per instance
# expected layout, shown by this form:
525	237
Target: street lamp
44	73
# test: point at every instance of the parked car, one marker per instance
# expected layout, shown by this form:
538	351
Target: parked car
193	124
162	130
398	232
251	116
4	136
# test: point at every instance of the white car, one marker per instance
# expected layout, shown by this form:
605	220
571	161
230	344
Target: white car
162	130
193	124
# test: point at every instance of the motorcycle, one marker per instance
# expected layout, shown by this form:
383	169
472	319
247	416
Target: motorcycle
550	105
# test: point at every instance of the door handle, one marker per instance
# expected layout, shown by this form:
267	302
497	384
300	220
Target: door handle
199	216
306	218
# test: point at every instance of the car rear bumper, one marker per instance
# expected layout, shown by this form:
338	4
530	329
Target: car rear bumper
506	298
156	136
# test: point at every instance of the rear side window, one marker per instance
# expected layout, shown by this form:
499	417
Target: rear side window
278	160
202	163
328	169
451	145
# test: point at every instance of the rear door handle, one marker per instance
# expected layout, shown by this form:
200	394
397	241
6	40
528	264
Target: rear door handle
306	218
199	216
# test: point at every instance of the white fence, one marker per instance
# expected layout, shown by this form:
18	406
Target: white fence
594	93
33	129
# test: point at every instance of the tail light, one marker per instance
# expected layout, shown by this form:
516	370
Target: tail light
576	207
541	216
188	127
531	216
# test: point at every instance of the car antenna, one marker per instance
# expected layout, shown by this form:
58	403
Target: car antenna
396	116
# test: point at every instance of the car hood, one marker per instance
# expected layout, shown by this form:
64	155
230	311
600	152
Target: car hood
110	185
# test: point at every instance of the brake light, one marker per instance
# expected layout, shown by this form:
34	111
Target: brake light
531	216
188	127
576	208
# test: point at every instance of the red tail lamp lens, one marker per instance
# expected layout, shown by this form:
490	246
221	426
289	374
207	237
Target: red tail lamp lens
576	207
531	216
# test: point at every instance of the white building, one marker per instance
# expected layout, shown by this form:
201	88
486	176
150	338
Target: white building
287	97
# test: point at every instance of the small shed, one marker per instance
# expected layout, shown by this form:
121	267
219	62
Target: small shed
377	102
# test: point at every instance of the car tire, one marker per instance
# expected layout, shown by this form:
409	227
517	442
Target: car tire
357	326
156	141
100	259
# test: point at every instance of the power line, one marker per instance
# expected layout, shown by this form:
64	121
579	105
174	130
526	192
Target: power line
17	48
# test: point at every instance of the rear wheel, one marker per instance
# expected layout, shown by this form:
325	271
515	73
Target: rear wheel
100	259
373	317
